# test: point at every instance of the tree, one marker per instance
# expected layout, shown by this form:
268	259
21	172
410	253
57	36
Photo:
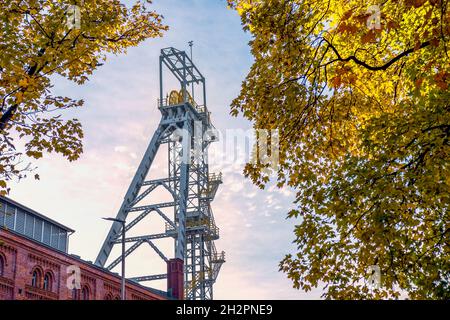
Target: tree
360	96
43	39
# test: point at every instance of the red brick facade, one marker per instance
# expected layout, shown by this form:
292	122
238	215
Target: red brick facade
175	278
30	270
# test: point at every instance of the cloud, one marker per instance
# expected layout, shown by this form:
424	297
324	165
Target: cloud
120	149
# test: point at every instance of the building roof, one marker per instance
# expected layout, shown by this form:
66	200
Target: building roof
43	217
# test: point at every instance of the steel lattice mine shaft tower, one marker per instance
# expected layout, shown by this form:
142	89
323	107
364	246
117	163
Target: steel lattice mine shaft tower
186	128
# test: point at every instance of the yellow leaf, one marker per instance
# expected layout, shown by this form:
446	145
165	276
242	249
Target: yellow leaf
19	97
23	82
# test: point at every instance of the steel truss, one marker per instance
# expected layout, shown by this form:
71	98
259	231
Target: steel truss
186	128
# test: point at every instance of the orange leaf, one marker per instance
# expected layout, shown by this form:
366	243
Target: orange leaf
419	82
19	97
369	37
347	14
392	25
417	45
419	3
434	42
345	27
336	81
440	79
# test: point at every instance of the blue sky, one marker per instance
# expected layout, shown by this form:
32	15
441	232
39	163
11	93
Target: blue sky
119	117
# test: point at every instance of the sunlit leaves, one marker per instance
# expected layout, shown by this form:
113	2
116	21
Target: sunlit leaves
36	46
360	96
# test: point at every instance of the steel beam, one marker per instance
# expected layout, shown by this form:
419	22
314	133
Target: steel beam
157	251
150	278
143	238
127	252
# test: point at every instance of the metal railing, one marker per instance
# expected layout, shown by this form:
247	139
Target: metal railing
166	103
211	229
218	257
162	102
170	228
214	177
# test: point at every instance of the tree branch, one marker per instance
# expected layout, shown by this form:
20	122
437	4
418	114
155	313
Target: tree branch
6	117
374	68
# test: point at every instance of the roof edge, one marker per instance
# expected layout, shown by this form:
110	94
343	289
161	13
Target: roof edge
25	208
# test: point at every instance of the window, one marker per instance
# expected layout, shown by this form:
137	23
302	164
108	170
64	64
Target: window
10	217
85	293
20	222
2	213
29	225
74	294
108	296
2	265
36	278
48	282
47	233
37	235
55	237
62	241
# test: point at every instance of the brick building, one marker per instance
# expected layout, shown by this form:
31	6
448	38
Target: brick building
35	264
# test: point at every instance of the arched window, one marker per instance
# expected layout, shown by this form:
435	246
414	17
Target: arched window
48	281
2	265
85	293
108	296
74	294
36	278
116	298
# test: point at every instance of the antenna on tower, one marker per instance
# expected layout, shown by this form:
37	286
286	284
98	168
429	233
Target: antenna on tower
191	44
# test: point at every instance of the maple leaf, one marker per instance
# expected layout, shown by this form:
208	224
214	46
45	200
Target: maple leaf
369	37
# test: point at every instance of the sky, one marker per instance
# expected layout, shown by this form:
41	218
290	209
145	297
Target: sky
119	118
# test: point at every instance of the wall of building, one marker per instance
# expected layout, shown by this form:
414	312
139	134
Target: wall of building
22	258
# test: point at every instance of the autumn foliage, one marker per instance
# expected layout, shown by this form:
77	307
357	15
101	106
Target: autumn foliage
360	95
40	42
